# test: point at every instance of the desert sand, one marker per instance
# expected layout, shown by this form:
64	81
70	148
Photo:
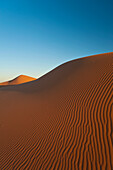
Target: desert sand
18	80
63	120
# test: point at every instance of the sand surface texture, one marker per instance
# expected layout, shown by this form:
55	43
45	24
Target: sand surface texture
63	120
18	80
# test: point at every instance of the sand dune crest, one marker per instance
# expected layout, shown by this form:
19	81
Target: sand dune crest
64	120
18	80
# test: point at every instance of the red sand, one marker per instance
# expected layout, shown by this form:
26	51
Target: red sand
64	120
18	80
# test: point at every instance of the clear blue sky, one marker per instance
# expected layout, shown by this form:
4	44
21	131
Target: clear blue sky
38	35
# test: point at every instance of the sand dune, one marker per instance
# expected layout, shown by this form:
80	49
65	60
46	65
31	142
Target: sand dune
18	80
63	120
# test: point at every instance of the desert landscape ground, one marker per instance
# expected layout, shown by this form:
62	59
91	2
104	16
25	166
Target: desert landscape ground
63	120
18	80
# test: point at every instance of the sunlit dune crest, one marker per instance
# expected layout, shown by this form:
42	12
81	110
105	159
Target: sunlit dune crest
19	80
63	120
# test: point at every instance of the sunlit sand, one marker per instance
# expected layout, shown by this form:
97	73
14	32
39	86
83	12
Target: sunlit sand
63	120
18	80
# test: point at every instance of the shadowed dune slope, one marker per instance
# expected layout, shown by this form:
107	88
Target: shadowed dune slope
63	120
18	80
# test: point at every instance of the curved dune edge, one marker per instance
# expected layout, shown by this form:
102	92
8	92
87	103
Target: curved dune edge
63	120
18	80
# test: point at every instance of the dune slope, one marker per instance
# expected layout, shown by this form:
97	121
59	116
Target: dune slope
64	120
18	80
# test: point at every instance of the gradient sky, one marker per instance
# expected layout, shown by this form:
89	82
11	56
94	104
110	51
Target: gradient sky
38	35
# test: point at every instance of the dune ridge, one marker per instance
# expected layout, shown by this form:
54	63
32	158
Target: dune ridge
64	120
18	80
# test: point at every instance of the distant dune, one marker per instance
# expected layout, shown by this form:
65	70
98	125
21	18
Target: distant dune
63	120
18	80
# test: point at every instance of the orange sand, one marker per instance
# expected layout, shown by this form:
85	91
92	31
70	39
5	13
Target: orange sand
18	80
64	120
